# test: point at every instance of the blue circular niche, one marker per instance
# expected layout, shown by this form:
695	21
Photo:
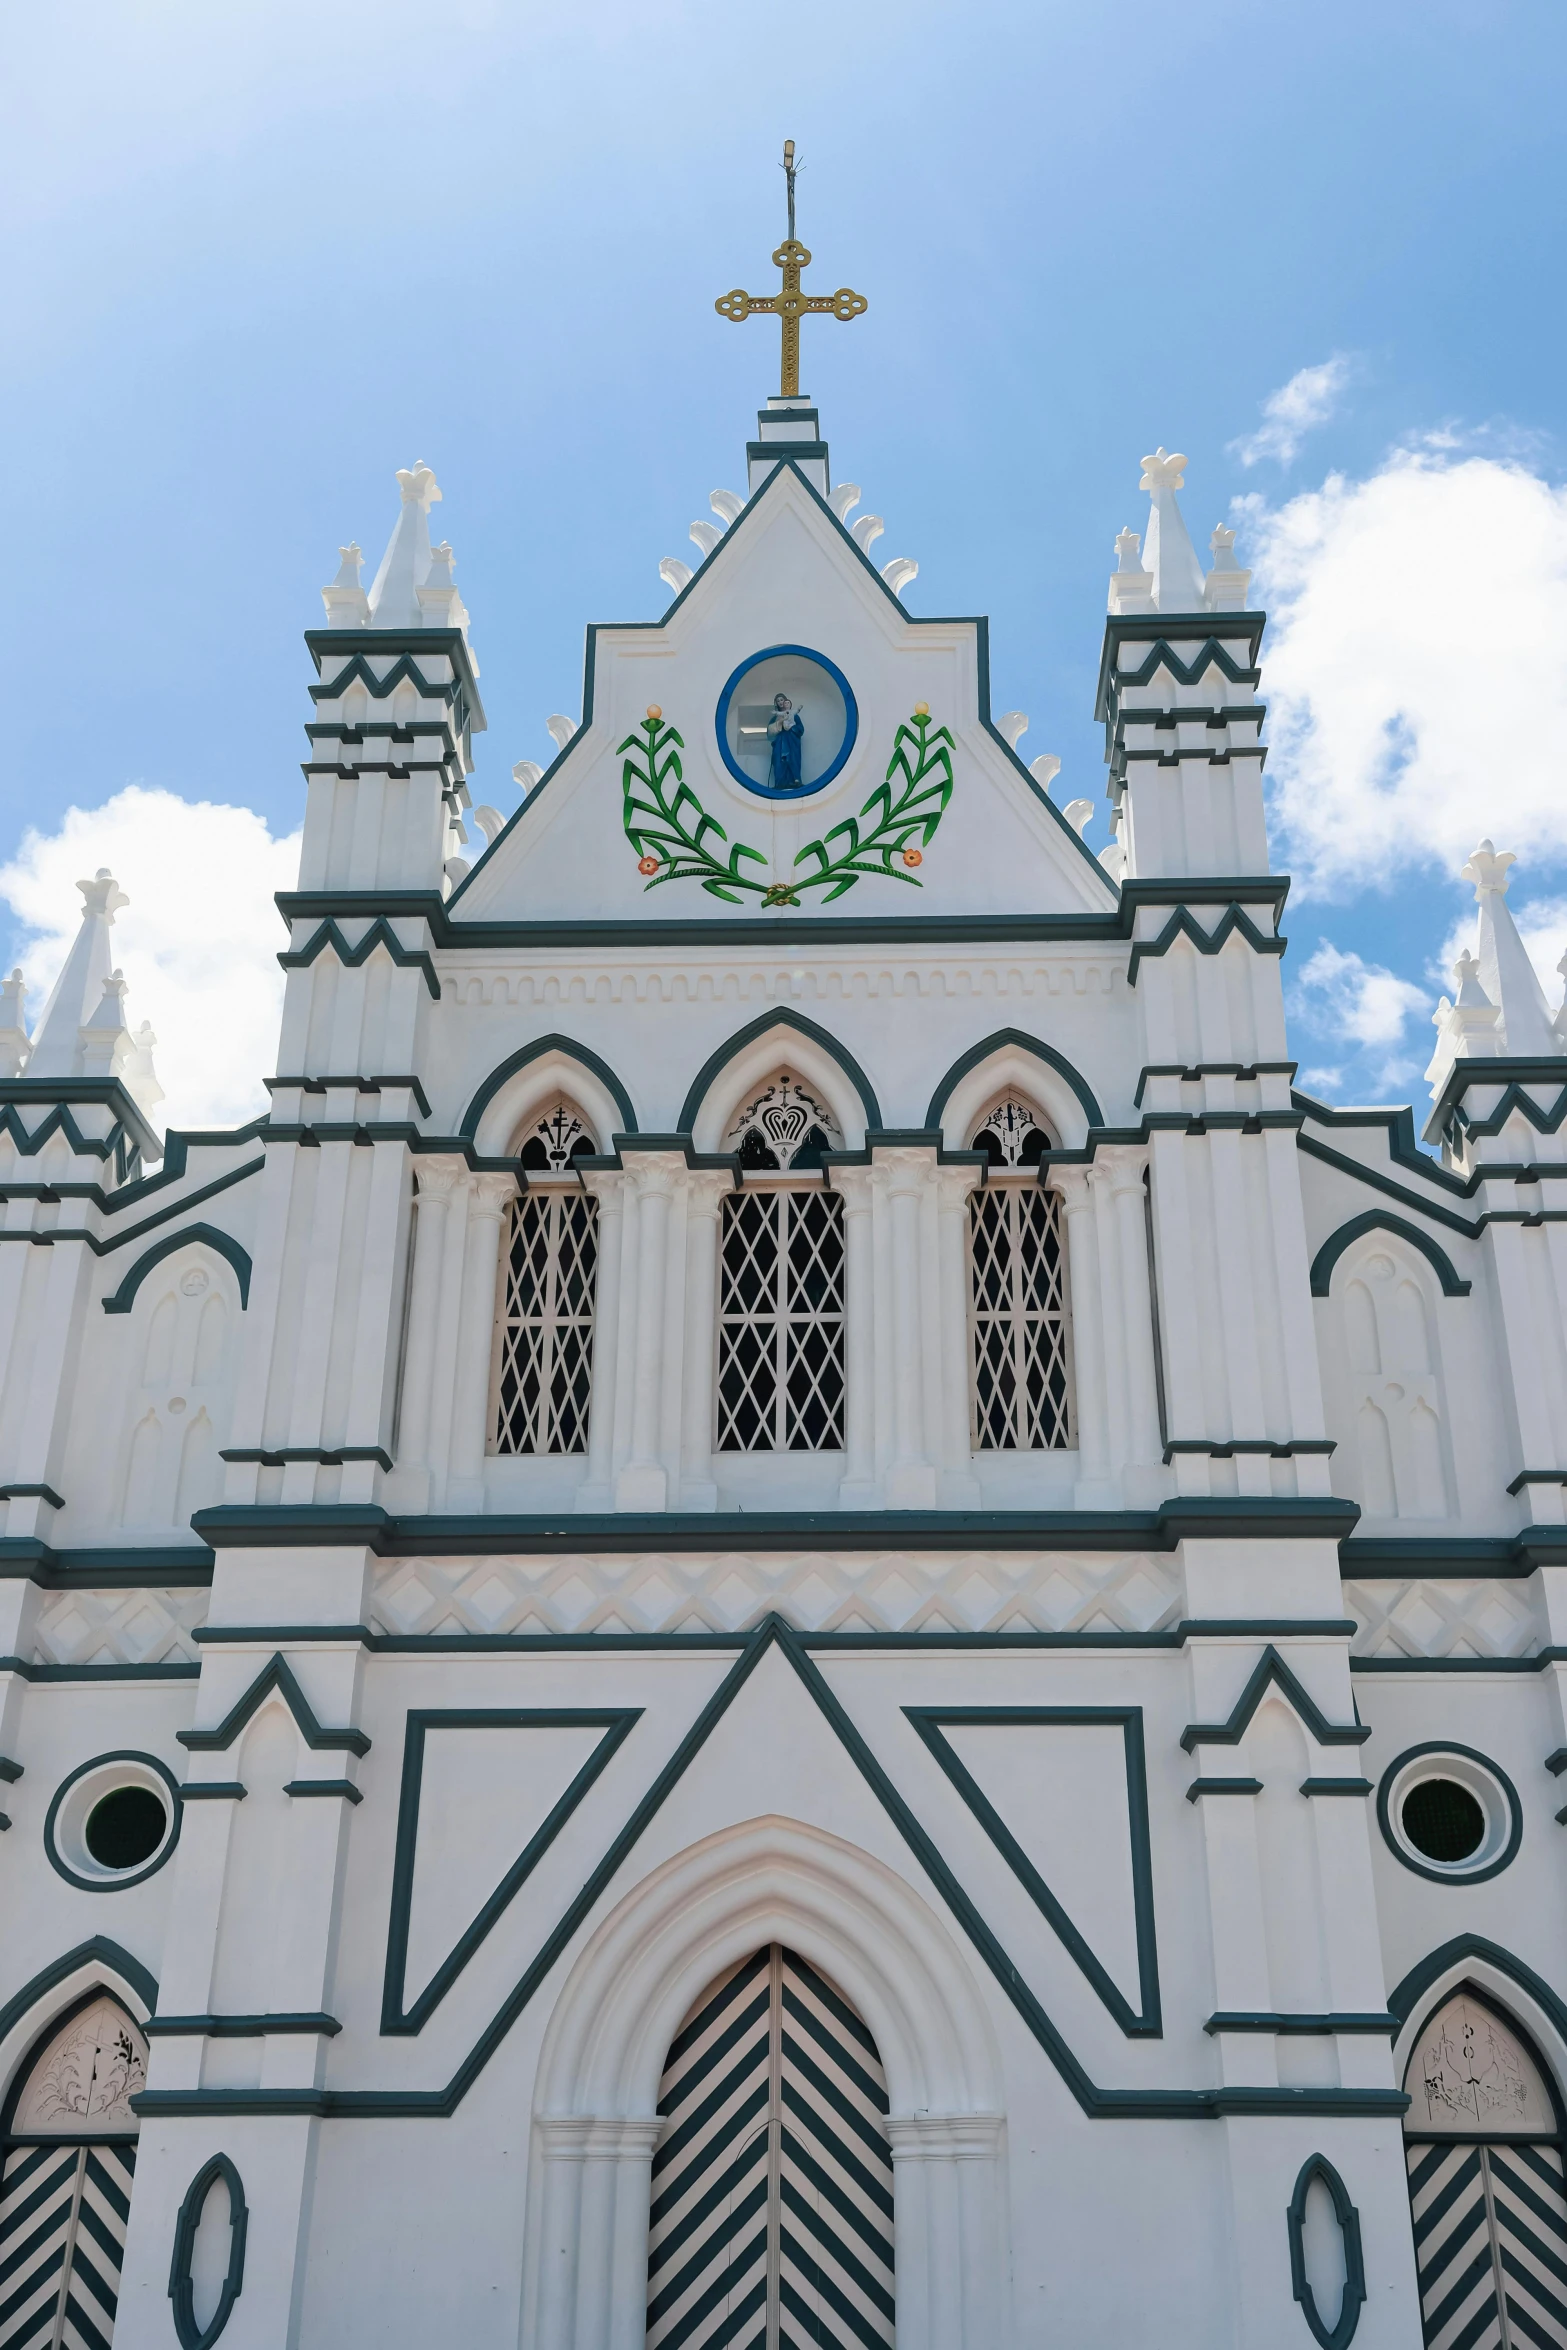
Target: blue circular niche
819	694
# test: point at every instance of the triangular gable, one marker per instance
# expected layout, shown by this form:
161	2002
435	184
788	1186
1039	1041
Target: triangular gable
786	574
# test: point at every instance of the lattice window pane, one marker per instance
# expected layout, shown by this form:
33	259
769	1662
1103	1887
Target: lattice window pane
544	1337
1021	1321
781	1323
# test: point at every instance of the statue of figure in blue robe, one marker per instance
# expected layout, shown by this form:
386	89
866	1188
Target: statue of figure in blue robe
788	733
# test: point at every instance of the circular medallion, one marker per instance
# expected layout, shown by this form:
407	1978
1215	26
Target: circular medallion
787	720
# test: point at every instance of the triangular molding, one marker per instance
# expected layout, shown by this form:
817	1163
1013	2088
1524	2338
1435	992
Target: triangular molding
1145	2022
275	1676
616	1724
1273	1673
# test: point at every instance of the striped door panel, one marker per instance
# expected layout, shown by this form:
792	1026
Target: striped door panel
1491	2245
63	2213
772	2187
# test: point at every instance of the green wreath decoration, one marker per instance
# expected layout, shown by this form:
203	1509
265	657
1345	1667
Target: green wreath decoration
675	838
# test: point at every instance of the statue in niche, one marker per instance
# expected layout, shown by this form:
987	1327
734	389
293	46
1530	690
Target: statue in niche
787	732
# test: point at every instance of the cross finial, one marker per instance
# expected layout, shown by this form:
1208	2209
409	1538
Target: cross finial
789	305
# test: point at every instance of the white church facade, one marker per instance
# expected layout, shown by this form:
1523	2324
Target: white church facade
792	1616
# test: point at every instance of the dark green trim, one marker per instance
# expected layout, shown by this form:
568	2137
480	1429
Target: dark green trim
101	1092
1226	1448
1312	2026
1200	1787
10	1771
32	1493
359	1085
214	1791
1469	1226
580	1053
164	1672
238	2027
1272	1672
927	1721
1377	1220
380	933
616	1724
1459	1875
343	1787
783	1017
1371	1558
222	1243
275	1675
271	1526
1149	2104
1341	2333
335	1459
1162	632
1249	1070
1335	1787
110	1203
1411	1990
124	1879
181	2285
998	1042
1512	1072
99	1951
25	1559
1537	1477
279	1635
1557	1763
1207	942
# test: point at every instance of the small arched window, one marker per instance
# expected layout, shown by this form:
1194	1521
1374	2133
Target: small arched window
781	1302
65	2189
543	1379
1020	1312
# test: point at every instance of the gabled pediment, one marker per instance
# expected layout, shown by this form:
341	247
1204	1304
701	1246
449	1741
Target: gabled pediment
786	600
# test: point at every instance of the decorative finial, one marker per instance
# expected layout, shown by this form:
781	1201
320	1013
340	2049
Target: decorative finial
789	305
418	485
1487	870
1161	471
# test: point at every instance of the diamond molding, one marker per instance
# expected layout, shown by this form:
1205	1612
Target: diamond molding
1424	1618
118	1627
889	1591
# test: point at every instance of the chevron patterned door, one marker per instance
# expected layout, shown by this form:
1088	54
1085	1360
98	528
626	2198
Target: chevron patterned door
65	2182
771	2222
1486	2187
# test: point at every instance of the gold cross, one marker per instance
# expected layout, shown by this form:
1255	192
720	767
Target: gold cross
789	304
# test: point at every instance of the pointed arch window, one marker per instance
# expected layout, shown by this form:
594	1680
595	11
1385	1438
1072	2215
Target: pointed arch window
65	2179
1020	1317
782	1279
542	1385
1484	2147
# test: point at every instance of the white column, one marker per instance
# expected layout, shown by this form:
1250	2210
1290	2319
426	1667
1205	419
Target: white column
959	1485
704	1195
643	1483
1123	1166
609	1191
911	1480
487	1200
435	1180
858	1489
1093	1450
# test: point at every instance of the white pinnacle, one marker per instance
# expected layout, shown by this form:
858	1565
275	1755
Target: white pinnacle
394	597
77	994
1506	973
1168	553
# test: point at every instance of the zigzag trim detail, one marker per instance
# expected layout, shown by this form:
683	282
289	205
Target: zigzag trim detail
357	671
1210	654
380	933
1234	918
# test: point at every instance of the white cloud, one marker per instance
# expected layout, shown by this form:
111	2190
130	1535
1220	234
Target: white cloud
1413	667
1542	925
1363	1002
1295	409
198	942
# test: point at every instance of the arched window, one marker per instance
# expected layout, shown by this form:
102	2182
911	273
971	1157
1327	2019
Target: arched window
65	2186
1483	2140
543	1378
772	2184
1022	1334
1394	1384
781	1302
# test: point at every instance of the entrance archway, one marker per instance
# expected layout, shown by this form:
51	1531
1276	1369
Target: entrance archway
1483	2138
771	2214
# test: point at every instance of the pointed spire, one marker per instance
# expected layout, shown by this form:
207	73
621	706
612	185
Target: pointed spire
440	605
347	605
13	1027
105	1040
1167	548
77	994
1466	1029
141	1079
1508	976
394	598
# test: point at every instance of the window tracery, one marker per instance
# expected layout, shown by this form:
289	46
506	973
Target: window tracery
1022	1371
781	1281
782	1128
543	1379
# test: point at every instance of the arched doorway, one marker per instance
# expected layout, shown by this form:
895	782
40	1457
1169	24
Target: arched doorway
1483	2139
69	2139
771	2215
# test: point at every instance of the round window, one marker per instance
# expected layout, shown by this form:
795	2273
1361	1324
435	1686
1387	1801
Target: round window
113	1821
786	722
1448	1813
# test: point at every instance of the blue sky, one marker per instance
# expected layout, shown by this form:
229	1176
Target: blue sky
260	256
